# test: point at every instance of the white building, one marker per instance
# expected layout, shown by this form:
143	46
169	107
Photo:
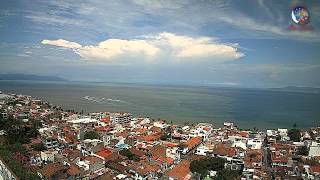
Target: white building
172	152
314	149
84	120
48	156
238	141
50	142
228	125
254	143
120	118
203	150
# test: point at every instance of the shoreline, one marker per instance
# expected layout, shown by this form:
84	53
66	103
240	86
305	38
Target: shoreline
215	123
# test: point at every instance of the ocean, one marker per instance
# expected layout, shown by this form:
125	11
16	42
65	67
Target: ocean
247	108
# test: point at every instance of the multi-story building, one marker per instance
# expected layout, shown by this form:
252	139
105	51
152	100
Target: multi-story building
120	118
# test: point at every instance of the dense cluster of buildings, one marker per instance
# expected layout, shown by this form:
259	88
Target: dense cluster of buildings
127	147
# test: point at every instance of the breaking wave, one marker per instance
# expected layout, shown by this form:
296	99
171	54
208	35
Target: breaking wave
102	100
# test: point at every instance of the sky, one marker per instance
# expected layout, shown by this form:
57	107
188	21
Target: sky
240	43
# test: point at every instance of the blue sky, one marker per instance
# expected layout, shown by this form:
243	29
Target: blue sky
201	42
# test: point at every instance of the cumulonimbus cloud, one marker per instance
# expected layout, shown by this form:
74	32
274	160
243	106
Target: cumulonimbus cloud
152	47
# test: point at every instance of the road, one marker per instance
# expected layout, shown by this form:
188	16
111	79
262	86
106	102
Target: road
266	163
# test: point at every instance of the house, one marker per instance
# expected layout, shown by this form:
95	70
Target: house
180	171
203	150
74	172
137	152
254	143
103	154
280	154
90	163
253	159
201	130
238	141
106	138
228	125
158	151
315	171
52	171
48	156
191	144
164	162
144	170
173	152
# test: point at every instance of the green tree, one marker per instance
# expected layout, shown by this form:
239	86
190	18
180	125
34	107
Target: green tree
203	166
39	147
294	135
129	155
91	135
227	174
6	153
165	137
303	151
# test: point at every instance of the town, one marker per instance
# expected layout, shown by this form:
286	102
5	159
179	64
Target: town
39	140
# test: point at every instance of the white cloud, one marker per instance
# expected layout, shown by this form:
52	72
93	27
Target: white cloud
201	47
62	43
172	46
117	47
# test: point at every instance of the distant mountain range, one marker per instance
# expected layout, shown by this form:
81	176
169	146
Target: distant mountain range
30	77
298	89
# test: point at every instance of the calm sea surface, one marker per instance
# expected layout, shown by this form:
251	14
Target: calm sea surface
248	108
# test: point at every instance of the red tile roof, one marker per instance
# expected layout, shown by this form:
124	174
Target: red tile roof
92	159
181	171
122	134
137	152
221	150
166	160
73	170
315	169
157	151
104	153
144	167
169	144
192	142
102	128
50	169
244	134
152	137
106	119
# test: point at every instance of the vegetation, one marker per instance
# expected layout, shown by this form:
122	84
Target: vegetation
227	174
311	134
6	153
303	151
203	166
294	135
91	135
129	155
18	133
39	147
165	137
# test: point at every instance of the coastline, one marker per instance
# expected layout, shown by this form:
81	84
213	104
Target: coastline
248	108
